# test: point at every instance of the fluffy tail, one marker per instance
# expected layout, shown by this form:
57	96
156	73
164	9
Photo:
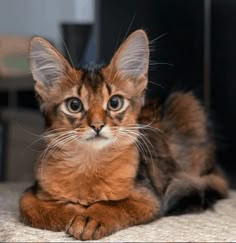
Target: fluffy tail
188	193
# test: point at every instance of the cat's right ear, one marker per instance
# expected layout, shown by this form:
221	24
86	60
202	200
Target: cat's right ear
131	60
47	64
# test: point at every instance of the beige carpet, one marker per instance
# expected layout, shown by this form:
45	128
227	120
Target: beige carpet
213	225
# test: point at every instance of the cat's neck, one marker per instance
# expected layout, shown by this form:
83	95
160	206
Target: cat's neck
84	157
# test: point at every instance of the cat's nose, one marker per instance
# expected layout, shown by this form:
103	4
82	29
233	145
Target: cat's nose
97	126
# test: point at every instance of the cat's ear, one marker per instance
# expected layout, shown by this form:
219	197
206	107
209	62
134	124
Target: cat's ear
132	58
46	63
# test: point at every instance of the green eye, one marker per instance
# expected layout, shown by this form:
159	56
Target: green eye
115	103
74	105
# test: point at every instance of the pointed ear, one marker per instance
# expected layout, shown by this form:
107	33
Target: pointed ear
132	58
46	63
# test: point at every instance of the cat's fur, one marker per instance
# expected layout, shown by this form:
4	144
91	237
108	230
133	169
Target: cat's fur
91	186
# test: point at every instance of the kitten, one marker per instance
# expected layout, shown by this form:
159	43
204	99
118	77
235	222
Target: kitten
100	139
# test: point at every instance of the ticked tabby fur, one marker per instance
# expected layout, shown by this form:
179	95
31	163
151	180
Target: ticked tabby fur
111	161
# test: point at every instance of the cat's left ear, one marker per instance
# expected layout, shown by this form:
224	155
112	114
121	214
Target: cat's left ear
47	64
132	58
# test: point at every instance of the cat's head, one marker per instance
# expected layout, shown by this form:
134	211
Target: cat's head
93	105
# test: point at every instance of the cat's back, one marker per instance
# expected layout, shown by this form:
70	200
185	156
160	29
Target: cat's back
183	114
183	125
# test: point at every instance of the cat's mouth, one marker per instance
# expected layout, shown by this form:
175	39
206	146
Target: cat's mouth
97	138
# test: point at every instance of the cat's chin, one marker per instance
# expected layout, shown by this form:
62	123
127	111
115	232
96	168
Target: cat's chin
97	138
98	142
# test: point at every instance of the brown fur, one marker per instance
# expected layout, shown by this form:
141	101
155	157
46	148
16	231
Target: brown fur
182	162
89	186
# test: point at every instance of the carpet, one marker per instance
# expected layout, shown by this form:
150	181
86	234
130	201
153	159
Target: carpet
215	225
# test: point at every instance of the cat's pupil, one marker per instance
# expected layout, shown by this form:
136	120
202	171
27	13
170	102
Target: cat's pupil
114	103
74	105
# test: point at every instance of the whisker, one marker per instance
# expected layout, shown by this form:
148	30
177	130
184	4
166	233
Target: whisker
157	38
53	148
70	57
140	147
145	126
161	63
157	84
129	27
146	143
56	142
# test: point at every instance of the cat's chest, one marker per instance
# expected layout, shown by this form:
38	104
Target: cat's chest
109	181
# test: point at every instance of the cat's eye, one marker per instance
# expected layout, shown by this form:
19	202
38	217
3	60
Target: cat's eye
115	103
74	105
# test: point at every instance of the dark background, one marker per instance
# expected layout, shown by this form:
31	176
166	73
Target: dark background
223	83
180	22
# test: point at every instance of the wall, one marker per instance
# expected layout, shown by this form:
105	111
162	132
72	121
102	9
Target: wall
32	17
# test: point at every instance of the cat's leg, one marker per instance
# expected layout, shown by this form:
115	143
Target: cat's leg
51	215
187	193
160	172
158	163
104	218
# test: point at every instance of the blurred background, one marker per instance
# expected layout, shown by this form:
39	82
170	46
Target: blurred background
193	45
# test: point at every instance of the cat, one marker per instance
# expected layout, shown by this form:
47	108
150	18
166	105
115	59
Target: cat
111	160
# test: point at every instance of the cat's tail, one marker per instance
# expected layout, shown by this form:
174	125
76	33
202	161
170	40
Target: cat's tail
187	193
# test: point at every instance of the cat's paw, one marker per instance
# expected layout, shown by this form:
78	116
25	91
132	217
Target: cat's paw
91	227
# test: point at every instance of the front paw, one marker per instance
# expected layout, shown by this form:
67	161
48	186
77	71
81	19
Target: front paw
91	227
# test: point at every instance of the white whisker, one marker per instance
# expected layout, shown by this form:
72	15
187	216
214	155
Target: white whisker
70	58
157	38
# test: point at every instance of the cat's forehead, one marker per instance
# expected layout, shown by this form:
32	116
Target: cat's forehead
91	77
92	86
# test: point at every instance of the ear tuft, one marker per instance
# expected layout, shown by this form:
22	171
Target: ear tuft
132	58
47	64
